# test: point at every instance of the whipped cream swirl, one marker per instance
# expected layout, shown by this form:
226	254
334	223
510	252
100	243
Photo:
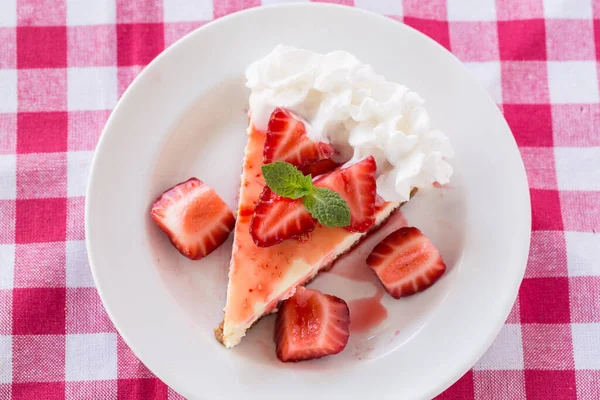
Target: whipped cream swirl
345	103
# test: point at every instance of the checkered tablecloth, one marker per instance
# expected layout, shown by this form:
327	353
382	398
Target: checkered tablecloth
64	64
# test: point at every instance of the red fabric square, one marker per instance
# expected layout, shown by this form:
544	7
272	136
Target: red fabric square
474	41
41	175
499	385
6	314
42	89
139	11
8	48
38	358
547	255
544	300
75	217
41	220
91	46
519	9
138	44
129	366
432	9
584	293
437	30
545	385
40	265
41	47
597	36
575	125
547	346
41	132
38	390
41	12
225	7
146	388
580	210
85	128
176	30
531	124
461	389
100	390
7	221
540	167
8	138
545	210
525	82
570	39
522	40
588	384
85	312
39	311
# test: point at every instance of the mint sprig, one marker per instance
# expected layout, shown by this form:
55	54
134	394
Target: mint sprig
286	180
325	205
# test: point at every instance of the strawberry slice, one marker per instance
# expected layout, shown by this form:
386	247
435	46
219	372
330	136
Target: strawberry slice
194	217
406	262
277	218
356	184
319	168
287	141
310	325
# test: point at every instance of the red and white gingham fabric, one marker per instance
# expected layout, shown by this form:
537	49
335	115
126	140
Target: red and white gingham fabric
64	64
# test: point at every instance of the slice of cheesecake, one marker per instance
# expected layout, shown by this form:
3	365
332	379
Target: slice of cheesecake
344	112
261	277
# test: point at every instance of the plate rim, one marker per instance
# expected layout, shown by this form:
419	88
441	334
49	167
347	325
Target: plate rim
467	363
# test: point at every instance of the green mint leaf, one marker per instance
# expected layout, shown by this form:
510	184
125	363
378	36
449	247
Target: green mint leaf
327	207
286	180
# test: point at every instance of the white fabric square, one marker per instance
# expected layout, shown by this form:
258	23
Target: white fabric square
5	359
488	74
563	9
506	352
8	83
93	88
96	12
8	176
8	13
578	168
583	253
385	7
185	10
471	10
586	348
91	357
573	82
78	269
7	266
78	170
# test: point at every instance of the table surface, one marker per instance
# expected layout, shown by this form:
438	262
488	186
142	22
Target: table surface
64	64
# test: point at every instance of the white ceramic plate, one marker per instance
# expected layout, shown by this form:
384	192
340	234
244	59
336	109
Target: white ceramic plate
185	115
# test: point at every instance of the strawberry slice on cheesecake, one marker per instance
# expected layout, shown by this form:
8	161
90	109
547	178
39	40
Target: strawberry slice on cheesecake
278	245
